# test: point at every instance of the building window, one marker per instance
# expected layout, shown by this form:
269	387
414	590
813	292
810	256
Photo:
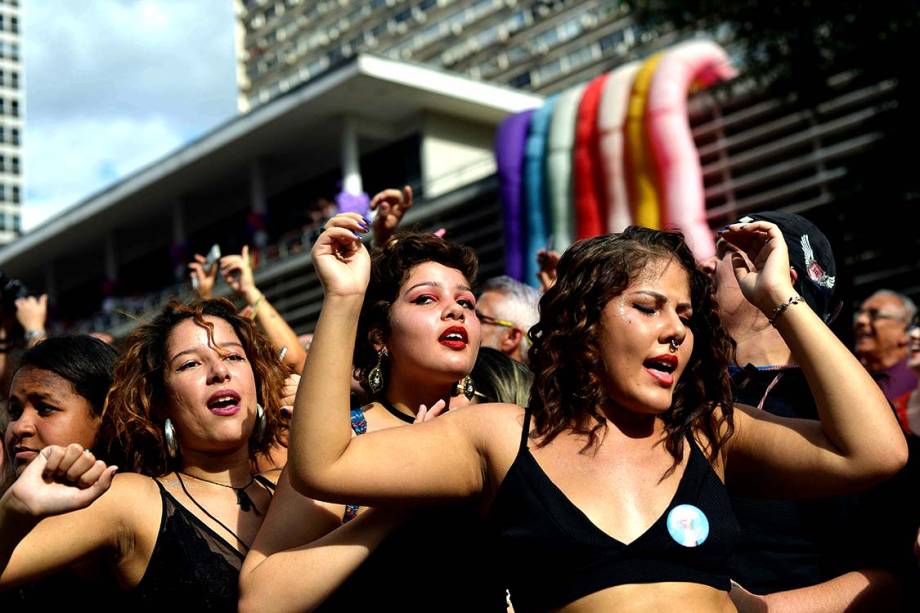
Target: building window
14	79
14	133
521	81
2	163
2	106
2	220
17	225
16	196
15	107
2	192
15	164
14	25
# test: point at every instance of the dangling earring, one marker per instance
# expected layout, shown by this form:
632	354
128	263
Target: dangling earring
169	434
375	376
465	387
259	429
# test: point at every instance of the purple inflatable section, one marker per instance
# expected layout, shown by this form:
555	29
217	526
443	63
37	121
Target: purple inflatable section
510	140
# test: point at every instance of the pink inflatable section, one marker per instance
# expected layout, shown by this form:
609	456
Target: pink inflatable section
699	64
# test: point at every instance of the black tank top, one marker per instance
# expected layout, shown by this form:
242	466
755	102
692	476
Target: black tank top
553	554
191	567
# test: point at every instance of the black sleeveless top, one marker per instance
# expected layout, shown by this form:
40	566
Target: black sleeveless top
553	554
191	566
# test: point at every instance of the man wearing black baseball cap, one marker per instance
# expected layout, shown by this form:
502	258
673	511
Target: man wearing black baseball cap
790	551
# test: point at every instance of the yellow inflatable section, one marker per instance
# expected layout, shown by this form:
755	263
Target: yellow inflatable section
641	176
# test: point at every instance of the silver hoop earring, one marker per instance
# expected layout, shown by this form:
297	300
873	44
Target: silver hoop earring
375	376
169	435
259	429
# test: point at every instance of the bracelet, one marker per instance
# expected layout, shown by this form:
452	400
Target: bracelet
31	335
255	306
779	310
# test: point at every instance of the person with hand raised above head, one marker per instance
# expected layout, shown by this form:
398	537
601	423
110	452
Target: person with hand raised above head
609	490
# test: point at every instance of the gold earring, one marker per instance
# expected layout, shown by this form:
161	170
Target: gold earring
375	376
466	387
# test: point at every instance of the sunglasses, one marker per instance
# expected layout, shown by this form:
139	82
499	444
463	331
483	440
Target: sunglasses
491	321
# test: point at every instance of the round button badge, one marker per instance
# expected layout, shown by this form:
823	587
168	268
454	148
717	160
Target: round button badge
687	525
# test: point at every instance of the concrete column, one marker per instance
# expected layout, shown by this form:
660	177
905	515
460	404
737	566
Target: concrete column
50	282
351	158
258	201
111	258
178	223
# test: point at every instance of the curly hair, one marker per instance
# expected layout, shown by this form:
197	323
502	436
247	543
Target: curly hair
566	357
138	399
390	267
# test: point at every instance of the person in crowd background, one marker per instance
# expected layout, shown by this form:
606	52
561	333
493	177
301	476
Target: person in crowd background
236	270
499	378
507	309
881	343
418	338
790	554
57	397
618	434
195	402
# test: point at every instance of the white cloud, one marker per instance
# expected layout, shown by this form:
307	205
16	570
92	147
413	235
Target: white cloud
112	85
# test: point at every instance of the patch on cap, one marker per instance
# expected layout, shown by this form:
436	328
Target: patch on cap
815	272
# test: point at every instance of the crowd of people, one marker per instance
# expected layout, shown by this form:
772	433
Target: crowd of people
647	432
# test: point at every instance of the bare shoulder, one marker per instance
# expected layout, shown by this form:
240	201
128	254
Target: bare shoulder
488	420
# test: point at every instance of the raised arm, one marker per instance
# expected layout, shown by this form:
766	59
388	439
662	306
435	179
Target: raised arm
237	272
44	521
303	552
857	442
438	459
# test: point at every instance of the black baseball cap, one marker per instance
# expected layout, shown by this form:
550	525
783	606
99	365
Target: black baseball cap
811	255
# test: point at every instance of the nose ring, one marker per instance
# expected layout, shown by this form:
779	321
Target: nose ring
674	346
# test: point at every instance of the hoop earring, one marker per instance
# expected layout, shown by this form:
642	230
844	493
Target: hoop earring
258	430
169	435
466	387
375	376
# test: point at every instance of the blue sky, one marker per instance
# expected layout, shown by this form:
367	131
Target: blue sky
112	85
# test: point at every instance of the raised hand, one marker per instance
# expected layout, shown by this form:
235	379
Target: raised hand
237	272
59	480
761	263
391	205
425	414
547	261
340	258
288	393
202	279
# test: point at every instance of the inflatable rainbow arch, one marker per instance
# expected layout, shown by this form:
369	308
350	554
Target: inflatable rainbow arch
603	155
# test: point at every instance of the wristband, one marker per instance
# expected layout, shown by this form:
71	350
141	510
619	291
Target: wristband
779	310
255	306
31	335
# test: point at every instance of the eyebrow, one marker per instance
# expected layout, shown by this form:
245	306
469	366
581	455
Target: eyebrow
662	298
465	288
219	346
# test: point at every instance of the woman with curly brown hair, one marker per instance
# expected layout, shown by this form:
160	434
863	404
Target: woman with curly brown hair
607	492
195	402
417	341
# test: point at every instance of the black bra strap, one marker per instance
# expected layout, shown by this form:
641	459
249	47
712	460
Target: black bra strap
526	430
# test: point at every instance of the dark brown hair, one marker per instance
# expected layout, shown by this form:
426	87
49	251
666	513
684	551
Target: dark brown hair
390	267
137	401
566	358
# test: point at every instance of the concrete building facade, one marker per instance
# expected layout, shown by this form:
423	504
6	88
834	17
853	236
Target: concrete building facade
11	120
536	45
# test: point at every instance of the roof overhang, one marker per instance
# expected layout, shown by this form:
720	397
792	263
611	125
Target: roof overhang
304	122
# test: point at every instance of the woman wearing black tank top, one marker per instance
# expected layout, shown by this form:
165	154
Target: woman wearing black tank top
417	341
602	500
194	405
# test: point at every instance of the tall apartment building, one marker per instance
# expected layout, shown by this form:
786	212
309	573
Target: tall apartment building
537	45
11	110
